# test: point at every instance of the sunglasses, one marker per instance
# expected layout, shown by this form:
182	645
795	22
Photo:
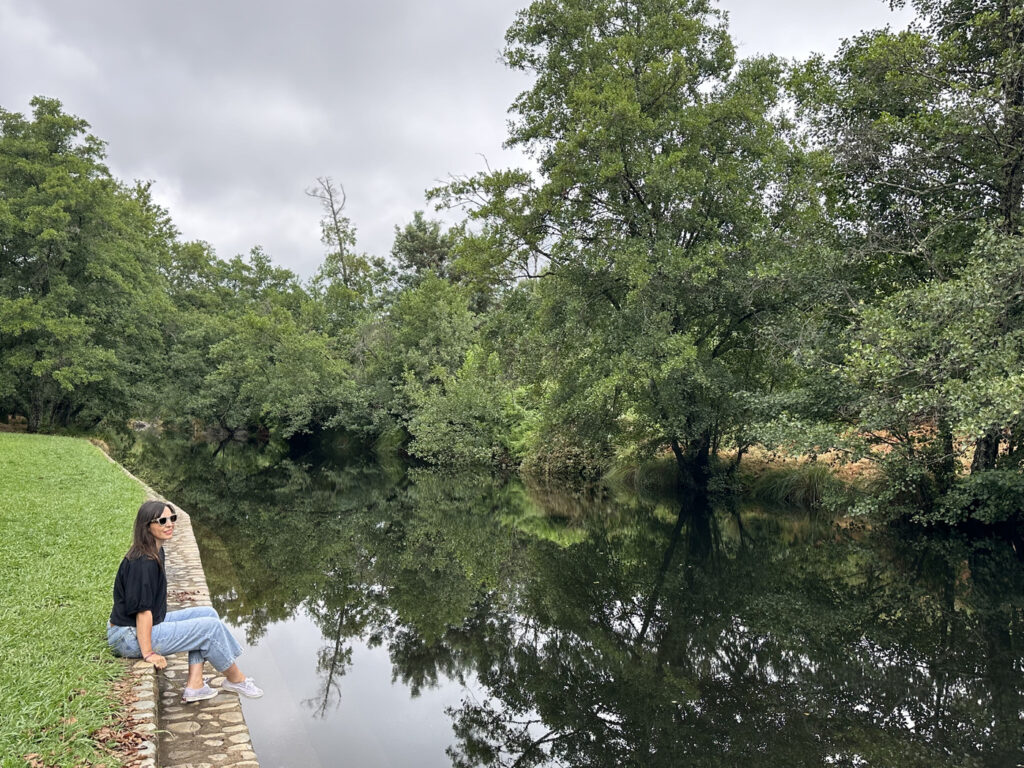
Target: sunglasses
163	520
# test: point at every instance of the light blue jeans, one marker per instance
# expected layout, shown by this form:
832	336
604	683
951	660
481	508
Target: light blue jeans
197	630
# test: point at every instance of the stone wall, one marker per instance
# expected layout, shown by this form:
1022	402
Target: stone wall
203	734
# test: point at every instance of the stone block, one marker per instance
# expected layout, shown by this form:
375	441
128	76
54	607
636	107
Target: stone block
187	727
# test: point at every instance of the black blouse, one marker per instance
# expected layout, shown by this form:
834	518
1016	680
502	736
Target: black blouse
140	585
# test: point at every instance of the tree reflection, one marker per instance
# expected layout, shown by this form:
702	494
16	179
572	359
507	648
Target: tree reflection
642	633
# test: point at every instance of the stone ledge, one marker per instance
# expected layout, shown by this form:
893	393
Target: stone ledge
184	733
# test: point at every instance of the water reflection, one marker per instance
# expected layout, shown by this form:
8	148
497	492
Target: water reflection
616	631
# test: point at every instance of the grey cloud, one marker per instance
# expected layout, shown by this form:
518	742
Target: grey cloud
233	108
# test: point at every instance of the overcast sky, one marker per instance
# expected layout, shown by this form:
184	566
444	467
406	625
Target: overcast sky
234	108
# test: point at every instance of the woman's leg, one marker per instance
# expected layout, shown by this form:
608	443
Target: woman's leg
204	637
195	658
195	669
195	612
124	642
234	674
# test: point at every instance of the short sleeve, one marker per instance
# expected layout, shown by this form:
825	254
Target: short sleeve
141	586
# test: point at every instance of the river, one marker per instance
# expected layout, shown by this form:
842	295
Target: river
400	616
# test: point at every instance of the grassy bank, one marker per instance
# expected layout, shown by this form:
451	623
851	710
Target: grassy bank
766	479
65	522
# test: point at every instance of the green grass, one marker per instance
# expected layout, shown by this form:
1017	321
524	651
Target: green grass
805	486
65	522
656	477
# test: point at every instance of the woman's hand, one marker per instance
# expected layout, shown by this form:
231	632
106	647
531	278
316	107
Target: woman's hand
156	660
144	633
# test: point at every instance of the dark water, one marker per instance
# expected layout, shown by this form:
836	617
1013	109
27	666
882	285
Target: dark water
403	617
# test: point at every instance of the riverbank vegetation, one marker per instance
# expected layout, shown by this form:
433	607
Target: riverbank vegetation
66	515
711	254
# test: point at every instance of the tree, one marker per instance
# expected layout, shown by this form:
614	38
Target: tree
347	283
667	220
420	341
336	231
926	128
242	348
420	246
79	289
942	364
465	418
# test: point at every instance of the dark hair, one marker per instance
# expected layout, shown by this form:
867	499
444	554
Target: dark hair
143	543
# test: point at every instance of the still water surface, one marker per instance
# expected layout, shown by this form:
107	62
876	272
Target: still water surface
401	617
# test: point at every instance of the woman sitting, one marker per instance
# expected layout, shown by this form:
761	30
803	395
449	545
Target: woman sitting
141	627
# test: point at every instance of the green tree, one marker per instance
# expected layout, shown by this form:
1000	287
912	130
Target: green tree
80	290
668	220
466	417
943	363
243	349
347	283
421	340
926	128
420	246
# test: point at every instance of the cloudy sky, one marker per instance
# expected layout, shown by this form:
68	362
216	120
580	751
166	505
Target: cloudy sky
234	108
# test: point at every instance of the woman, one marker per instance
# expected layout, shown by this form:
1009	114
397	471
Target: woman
141	627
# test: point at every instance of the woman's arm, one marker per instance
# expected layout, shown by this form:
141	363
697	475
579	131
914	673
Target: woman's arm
144	634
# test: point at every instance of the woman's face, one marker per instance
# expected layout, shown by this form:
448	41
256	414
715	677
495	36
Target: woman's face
162	532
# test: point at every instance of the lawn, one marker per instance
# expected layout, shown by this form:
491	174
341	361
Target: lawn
66	515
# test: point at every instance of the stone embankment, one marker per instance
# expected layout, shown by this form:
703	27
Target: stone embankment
204	734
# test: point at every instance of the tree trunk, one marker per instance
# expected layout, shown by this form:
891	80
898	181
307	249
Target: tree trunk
1012	192
986	451
945	472
35	410
694	464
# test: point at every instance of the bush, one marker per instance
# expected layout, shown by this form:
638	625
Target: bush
991	497
465	420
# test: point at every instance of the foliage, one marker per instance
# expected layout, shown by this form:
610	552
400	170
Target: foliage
243	351
466	418
78	253
995	496
421	247
267	372
925	130
422	340
945	359
661	258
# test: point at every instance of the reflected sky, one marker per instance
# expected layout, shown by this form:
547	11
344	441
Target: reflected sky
369	721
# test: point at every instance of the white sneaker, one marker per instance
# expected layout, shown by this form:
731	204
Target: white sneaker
245	688
198	694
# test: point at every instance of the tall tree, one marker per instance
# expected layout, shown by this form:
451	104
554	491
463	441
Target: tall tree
664	220
79	286
927	130
421	247
336	230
